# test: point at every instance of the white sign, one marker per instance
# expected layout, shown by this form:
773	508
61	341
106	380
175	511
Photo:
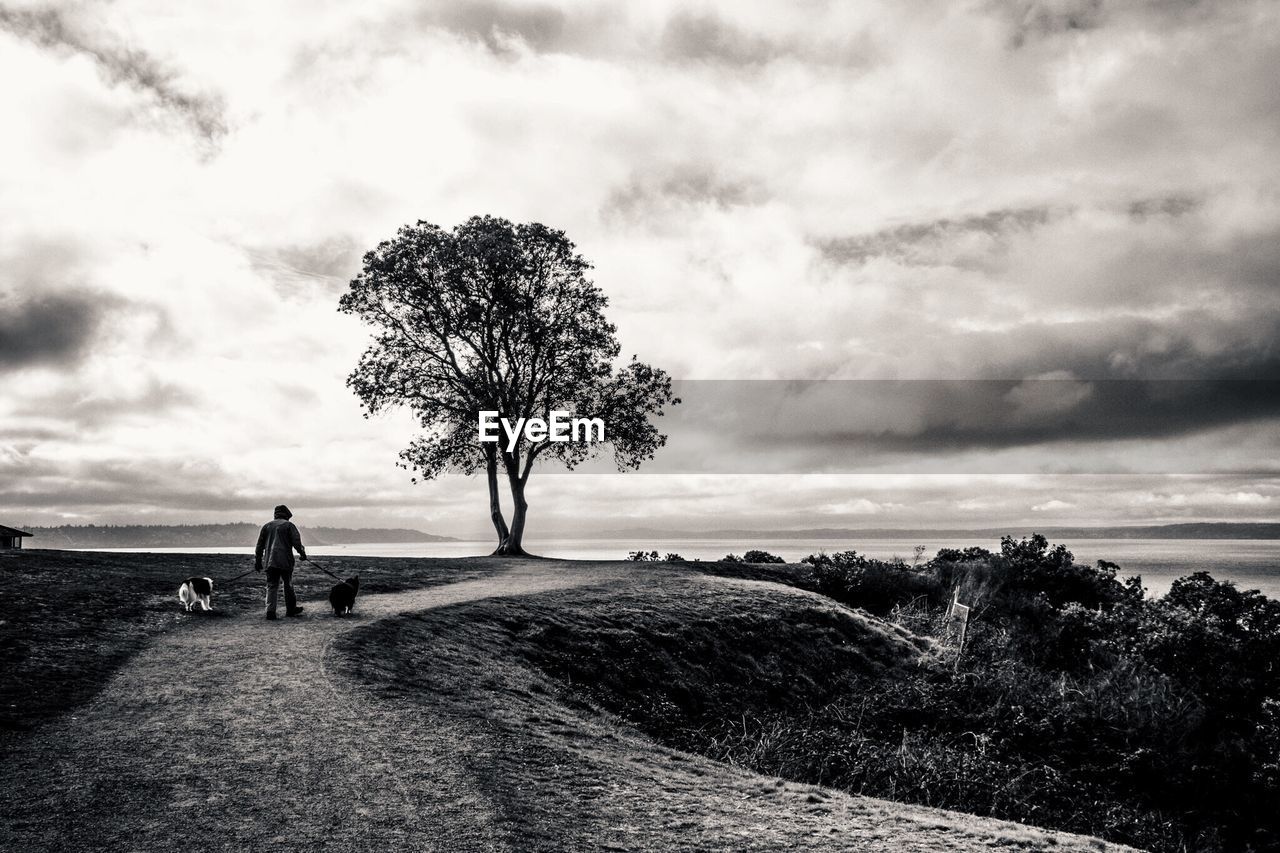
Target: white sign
958	619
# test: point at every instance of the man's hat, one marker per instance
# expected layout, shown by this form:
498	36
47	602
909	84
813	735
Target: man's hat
282	511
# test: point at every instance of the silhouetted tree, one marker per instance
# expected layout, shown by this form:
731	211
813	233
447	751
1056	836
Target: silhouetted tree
497	317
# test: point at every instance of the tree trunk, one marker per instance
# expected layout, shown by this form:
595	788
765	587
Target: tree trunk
515	540
495	506
513	543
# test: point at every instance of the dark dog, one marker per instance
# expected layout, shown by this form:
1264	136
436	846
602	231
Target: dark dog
343	596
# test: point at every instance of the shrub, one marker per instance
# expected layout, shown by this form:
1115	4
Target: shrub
874	585
652	557
1219	641
1033	566
968	555
1078	704
761	557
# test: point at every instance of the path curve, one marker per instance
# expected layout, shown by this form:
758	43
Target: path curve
232	736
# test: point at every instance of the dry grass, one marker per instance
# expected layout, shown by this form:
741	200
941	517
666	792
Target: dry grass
425	723
567	774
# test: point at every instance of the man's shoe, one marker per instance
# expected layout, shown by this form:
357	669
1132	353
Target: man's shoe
295	611
271	614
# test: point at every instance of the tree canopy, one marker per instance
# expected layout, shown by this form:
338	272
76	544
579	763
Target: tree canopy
493	316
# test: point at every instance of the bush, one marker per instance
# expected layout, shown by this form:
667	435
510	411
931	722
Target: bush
1221	644
968	555
761	557
874	585
652	557
1033	566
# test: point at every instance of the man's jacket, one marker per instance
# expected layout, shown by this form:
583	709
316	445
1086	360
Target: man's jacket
276	544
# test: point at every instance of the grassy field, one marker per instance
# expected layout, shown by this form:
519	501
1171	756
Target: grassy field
69	619
471	704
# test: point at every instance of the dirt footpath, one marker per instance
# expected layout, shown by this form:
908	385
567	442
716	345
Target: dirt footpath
232	736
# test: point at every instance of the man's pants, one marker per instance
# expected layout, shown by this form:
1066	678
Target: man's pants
274	576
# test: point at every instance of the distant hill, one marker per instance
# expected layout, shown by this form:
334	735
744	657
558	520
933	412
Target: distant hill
1193	530
207	536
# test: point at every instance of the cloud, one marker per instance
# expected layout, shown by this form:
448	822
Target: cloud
658	35
1170	286
855	506
1188	344
1186	497
798	427
709	38
1031	19
541	27
659	194
949	239
53	329
1171	206
300	270
701	37
1039	399
95	409
925	242
47	27
508	29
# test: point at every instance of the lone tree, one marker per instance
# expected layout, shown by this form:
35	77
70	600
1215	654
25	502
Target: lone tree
497	317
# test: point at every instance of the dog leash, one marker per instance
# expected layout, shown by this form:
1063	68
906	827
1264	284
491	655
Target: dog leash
251	571
326	571
237	577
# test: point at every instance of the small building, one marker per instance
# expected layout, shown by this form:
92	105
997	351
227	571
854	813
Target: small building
11	537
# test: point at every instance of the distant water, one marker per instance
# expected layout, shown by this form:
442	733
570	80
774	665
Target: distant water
1250	563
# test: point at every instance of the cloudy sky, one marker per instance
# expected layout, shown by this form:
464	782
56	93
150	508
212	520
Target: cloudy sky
1020	261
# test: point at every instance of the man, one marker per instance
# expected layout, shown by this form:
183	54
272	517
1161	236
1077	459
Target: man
278	539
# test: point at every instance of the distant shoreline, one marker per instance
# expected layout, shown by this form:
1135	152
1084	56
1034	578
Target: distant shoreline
243	534
238	534
1191	530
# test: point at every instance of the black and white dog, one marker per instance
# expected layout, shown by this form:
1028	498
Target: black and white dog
196	591
343	596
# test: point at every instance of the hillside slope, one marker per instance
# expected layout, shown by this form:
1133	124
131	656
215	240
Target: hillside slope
534	673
